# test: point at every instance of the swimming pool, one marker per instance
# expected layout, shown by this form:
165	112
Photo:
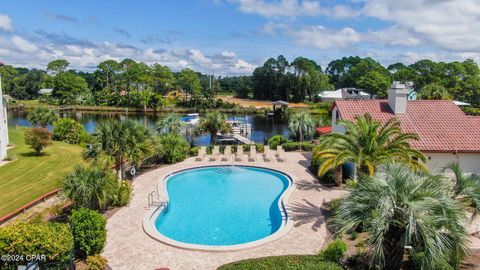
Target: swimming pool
221	206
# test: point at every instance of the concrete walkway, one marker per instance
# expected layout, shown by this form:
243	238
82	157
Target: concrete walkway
129	247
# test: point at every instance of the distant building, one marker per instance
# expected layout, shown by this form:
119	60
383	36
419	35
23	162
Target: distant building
45	91
3	125
446	133
343	93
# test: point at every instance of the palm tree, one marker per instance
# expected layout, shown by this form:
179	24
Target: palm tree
434	91
368	144
466	188
92	187
172	148
117	143
301	125
42	116
401	208
171	123
213	123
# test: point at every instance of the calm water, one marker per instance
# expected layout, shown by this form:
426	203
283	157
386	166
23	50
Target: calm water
261	125
228	206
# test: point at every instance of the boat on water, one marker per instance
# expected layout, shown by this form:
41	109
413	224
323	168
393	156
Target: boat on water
191	118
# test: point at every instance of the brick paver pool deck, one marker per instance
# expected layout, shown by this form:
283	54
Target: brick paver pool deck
129	247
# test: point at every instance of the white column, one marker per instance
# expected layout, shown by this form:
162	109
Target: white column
3	126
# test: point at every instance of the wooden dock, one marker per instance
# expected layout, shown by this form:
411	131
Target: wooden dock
242	139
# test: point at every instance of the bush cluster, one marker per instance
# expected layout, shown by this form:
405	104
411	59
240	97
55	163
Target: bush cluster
293	146
334	251
89	231
96	262
276	140
124	194
70	131
54	240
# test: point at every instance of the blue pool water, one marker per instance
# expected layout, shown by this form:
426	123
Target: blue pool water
223	205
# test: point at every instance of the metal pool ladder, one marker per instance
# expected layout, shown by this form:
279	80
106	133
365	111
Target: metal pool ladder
154	200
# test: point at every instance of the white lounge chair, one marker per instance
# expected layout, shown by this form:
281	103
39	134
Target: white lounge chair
279	149
215	153
253	153
281	155
267	155
201	153
227	153
239	156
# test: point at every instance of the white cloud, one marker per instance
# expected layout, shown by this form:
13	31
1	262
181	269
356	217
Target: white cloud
324	38
289	8
451	25
23	45
19	51
292	8
6	23
394	35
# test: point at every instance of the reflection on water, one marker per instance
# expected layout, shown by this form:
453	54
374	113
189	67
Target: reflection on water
262	127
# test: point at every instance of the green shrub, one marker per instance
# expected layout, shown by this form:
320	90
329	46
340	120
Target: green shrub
54	240
173	148
246	147
194	151
351	183
353	235
70	131
260	147
89	232
293	146
38	138
276	140
96	262
334	251
416	258
90	187
124	193
291	262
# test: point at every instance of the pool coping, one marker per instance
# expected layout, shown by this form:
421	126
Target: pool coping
149	228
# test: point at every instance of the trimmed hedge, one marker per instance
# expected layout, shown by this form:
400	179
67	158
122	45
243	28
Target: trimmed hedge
89	231
54	240
292	262
293	146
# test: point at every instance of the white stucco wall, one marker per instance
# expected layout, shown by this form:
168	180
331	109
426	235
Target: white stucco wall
470	162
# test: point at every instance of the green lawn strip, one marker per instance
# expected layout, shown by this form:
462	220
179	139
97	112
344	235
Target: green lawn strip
292	262
28	176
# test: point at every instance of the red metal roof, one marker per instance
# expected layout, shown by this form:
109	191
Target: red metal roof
441	125
324	130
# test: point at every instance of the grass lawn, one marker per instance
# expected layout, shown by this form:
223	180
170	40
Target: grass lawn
30	176
292	262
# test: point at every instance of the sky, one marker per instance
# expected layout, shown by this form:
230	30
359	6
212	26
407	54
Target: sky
232	37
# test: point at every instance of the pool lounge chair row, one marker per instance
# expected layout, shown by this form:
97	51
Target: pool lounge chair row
268	154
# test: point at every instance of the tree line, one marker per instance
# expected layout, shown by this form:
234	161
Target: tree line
112	83
130	83
303	79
